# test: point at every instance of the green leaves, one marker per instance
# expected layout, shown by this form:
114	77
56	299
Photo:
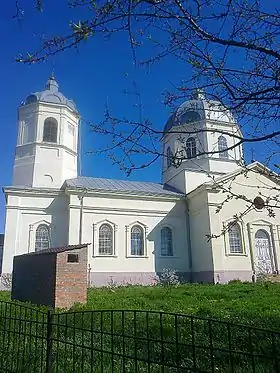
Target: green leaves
81	29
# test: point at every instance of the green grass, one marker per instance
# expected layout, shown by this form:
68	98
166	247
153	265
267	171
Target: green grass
247	304
254	304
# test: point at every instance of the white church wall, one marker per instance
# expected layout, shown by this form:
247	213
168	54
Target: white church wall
24	214
242	265
122	213
11	239
202	257
23	171
194	179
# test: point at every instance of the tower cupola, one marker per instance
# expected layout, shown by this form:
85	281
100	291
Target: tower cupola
47	144
200	142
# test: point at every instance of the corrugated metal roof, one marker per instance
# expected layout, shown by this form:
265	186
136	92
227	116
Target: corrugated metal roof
56	250
111	185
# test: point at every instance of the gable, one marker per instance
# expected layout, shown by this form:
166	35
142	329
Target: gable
256	172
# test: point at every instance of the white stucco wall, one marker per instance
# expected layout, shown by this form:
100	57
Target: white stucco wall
122	212
250	185
199	229
227	265
25	211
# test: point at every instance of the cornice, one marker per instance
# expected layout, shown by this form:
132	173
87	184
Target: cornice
32	191
124	195
47	145
120	210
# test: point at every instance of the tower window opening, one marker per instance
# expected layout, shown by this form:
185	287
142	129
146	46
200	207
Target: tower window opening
191	148
169	156
50	130
222	147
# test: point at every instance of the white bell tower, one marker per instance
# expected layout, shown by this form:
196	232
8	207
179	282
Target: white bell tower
201	142
47	144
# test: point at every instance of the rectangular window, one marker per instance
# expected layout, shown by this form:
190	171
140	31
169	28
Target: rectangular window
235	240
73	258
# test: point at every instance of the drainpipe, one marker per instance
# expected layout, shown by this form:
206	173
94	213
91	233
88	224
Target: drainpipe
29	237
254	277
189	240
81	198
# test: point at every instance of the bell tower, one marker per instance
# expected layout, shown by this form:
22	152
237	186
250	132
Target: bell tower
47	144
200	143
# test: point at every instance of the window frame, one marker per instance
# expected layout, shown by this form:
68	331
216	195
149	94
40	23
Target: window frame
169	155
223	147
51	121
128	229
226	239
42	225
142	247
191	148
111	253
95	239
166	227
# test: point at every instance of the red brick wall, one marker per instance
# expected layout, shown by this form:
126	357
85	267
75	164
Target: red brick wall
71	279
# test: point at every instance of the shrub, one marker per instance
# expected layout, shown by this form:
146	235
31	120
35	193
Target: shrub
6	280
235	281
168	277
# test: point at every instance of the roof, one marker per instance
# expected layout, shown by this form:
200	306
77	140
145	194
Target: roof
50	94
123	186
197	109
56	250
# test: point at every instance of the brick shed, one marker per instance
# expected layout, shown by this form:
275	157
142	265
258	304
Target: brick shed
55	277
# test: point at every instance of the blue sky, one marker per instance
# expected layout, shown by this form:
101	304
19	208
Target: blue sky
97	73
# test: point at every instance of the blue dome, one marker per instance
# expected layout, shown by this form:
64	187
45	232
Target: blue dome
198	109
51	95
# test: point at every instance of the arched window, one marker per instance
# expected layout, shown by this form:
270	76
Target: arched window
106	240
42	240
191	147
166	242
235	241
190	116
262	234
50	130
222	147
137	240
169	157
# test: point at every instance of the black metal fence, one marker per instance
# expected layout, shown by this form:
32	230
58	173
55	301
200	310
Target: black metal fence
130	341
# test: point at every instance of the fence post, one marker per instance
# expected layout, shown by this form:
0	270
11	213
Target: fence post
49	342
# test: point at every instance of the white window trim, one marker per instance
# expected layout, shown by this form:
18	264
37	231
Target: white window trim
128	239
173	242
32	233
227	243
95	241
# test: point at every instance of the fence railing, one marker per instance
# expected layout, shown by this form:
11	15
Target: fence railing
130	341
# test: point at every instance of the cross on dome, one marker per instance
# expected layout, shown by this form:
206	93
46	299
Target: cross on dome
198	93
52	84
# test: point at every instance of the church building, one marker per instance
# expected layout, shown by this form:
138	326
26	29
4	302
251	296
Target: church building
199	221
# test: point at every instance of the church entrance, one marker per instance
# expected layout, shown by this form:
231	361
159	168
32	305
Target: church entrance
263	250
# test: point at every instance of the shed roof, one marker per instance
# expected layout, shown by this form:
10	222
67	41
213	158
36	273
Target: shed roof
56	250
